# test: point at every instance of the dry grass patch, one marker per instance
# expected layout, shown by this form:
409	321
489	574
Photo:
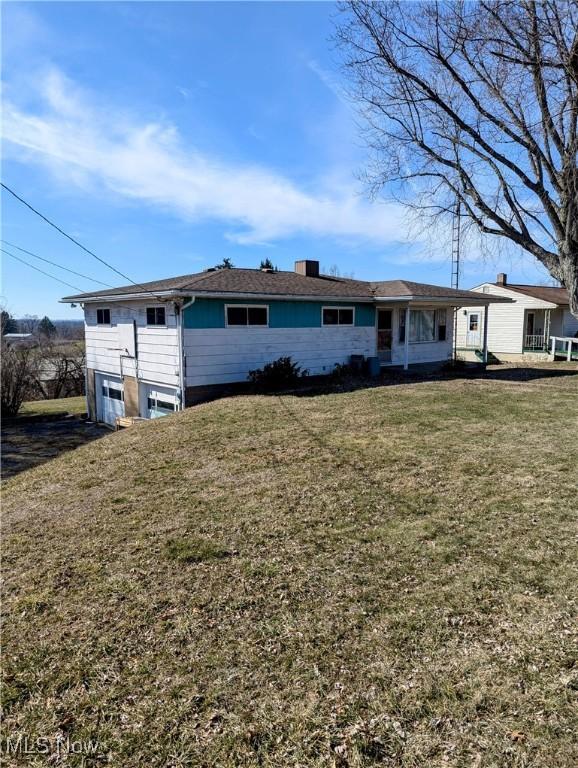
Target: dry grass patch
401	591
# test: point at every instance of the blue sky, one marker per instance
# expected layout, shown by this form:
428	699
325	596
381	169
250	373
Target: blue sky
166	136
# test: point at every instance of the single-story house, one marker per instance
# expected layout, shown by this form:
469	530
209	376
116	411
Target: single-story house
161	346
522	329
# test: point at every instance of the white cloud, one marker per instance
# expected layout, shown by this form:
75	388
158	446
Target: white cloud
149	162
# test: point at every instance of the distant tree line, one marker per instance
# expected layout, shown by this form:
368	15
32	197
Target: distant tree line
50	364
42	327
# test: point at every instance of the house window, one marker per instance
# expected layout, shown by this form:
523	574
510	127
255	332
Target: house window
422	325
338	316
474	322
163	405
103	316
156	316
442	324
247	316
111	393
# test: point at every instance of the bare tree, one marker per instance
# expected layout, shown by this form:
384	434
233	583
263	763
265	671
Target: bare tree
475	102
58	371
18	366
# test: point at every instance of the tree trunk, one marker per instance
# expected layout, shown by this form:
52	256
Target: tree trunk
569	275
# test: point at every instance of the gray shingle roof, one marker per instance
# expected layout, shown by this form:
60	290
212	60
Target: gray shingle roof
256	281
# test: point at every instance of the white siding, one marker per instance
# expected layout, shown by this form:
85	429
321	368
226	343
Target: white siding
570	324
157	347
505	321
226	355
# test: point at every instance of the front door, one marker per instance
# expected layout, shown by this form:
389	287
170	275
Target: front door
473	330
384	334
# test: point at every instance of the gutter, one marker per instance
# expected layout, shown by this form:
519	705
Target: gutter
180	307
453	300
214	295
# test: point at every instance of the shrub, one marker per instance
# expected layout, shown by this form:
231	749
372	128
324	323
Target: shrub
280	374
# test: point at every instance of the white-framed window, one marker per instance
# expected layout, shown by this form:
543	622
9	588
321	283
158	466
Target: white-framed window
425	325
112	393
422	326
246	315
474	321
156	316
154	403
338	316
103	316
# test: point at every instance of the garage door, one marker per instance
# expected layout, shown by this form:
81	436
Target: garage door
110	398
158	401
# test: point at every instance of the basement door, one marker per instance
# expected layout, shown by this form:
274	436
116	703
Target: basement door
109	398
157	401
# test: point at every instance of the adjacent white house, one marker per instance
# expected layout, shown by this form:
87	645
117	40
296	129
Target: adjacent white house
521	329
155	348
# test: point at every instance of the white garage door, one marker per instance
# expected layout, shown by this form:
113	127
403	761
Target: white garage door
110	398
158	401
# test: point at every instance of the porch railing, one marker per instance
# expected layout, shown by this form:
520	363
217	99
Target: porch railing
535	342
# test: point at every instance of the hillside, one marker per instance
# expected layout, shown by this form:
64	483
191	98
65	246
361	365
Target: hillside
375	577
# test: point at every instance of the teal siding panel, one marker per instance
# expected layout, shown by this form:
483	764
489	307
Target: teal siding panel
210	313
364	315
294	314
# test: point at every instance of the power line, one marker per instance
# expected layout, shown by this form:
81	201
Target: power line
76	242
54	264
58	280
76	288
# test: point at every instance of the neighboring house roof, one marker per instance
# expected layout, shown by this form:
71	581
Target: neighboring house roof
260	282
542	292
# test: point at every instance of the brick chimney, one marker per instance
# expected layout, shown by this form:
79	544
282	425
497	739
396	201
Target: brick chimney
502	278
307	267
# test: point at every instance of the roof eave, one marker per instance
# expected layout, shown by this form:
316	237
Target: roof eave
457	301
98	298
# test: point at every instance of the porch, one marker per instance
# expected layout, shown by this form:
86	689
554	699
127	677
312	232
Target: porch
421	333
564	346
539	324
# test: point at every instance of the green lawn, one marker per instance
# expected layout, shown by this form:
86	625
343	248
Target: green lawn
381	577
74	405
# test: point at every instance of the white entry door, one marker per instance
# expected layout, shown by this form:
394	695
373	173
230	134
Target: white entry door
473	329
109	398
157	401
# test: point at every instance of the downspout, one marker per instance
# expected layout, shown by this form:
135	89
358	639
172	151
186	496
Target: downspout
180	308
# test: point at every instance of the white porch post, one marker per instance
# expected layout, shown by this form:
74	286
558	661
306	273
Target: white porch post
547	324
406	341
485	344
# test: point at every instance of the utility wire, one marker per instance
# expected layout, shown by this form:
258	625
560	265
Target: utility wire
76	288
80	245
54	264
